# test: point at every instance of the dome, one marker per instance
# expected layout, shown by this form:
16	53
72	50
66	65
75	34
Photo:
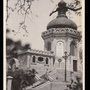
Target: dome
62	22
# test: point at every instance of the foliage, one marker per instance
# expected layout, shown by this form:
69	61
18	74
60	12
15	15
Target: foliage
9	72
75	85
13	46
24	77
74	5
28	78
27	46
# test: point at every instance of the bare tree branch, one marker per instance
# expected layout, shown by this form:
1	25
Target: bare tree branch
75	9
23	7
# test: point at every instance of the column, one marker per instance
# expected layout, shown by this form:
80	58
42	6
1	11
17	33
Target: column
28	61
9	82
44	63
36	59
44	59
31	58
51	63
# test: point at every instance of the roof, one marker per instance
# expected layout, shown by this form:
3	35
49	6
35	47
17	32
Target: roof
62	22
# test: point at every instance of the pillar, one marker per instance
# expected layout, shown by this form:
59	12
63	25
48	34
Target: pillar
36	59
9	82
51	62
28	61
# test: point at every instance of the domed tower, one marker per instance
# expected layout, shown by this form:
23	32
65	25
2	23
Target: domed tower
61	36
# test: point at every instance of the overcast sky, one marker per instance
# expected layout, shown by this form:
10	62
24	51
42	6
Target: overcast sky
36	22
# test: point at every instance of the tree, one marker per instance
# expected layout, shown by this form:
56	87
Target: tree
22	78
75	85
23	7
27	46
72	6
10	44
12	48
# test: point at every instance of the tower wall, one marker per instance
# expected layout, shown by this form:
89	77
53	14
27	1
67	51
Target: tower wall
66	36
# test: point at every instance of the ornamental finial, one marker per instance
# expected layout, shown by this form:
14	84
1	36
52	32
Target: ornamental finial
63	8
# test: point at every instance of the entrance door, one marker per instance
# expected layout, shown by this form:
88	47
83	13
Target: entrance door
75	65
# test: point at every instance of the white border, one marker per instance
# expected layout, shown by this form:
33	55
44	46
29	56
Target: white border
83	40
4	43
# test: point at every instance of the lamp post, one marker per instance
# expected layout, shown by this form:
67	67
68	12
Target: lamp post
65	57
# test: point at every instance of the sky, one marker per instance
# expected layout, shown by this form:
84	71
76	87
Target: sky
36	22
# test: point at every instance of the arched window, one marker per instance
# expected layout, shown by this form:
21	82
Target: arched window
49	46
40	59
72	48
59	49
46	60
33	59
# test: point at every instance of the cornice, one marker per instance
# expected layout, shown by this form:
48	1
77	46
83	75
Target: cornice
61	32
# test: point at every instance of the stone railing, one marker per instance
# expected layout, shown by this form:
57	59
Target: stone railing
43	86
39	52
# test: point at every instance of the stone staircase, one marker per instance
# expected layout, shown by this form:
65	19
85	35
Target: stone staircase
59	75
49	86
58	85
55	81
